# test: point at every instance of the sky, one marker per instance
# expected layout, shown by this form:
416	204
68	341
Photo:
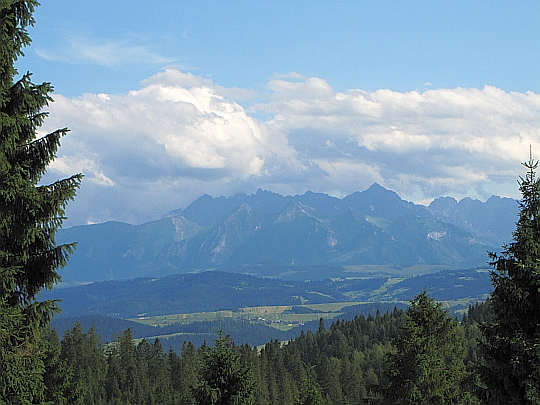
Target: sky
169	100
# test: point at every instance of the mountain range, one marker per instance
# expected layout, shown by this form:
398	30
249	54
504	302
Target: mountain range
264	230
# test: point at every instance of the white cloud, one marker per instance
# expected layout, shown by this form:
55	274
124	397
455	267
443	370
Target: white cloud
68	165
107	53
177	129
174	125
180	136
440	141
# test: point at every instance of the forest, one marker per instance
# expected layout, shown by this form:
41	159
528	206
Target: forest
351	362
420	355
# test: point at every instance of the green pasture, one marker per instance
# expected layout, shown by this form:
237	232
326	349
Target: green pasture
270	313
278	316
374	270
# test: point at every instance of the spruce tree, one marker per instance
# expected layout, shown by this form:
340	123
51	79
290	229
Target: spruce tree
512	340
310	390
30	213
427	364
223	379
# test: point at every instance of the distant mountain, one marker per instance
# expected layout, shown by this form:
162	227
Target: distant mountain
491	222
377	201
207	211
215	244
115	250
372	227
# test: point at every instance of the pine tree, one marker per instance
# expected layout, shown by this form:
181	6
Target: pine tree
512	340
30	213
84	353
427	365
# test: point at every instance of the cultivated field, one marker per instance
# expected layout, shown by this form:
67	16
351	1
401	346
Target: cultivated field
278	316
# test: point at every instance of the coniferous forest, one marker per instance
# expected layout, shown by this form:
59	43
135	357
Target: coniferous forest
420	355
364	360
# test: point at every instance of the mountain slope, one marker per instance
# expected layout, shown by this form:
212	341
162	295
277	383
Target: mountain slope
185	293
491	222
380	202
373	227
115	250
214	245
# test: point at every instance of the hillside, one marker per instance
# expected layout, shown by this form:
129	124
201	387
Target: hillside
184	293
267	230
184	307
218	290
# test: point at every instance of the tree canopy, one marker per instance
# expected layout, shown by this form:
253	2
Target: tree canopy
224	380
30	213
511	349
427	364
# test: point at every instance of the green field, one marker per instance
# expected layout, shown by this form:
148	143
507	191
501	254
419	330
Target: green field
276	316
374	270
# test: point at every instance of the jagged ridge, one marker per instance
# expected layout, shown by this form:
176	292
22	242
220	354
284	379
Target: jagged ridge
374	226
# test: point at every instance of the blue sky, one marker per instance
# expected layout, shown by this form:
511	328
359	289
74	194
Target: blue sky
168	100
401	45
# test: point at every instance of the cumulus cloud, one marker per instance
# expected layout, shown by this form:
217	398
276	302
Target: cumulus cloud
176	130
446	141
179	136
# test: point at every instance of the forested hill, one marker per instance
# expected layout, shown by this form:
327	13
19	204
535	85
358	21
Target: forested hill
224	299
216	290
186	293
269	231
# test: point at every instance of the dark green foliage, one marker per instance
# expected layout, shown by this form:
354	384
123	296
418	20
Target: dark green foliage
21	358
427	365
480	312
512	340
107	327
310	391
223	379
127	379
30	215
58	376
184	373
276	378
338	363
347	359
84	353
156	368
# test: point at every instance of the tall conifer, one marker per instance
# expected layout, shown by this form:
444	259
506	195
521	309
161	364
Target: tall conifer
30	213
512	346
427	364
224	380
